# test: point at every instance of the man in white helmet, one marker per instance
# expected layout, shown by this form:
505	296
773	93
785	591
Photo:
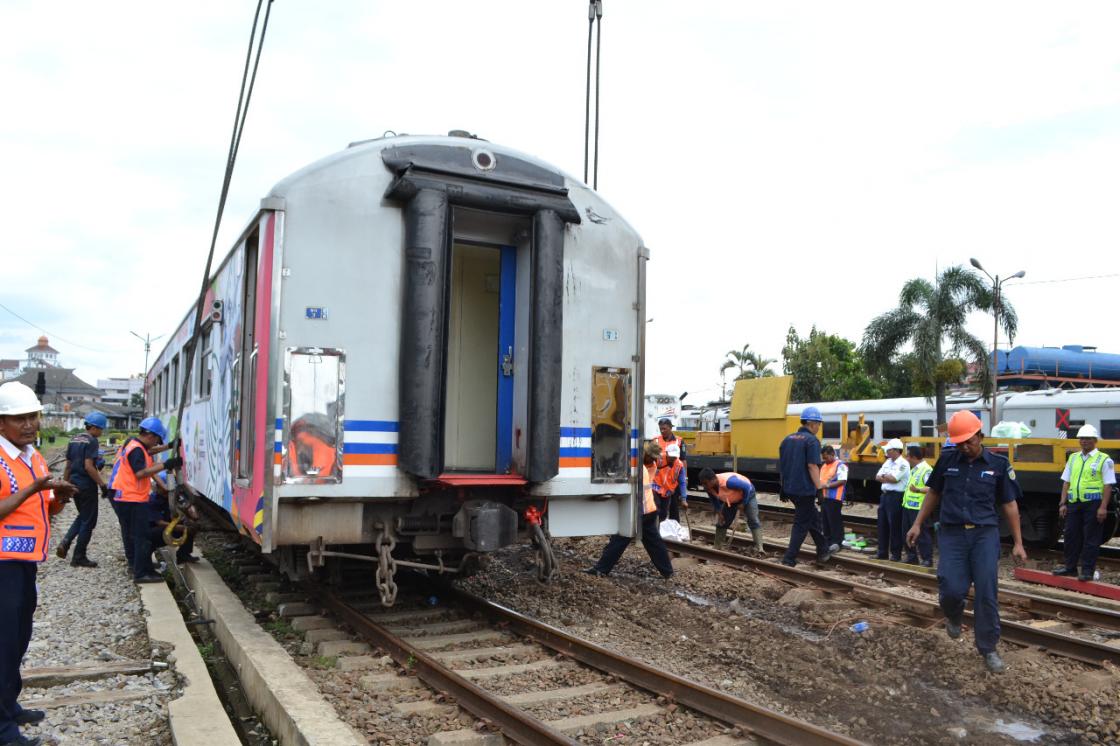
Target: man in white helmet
27	497
892	478
1086	490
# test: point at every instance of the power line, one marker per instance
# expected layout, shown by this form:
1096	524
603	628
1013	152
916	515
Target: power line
50	333
1069	279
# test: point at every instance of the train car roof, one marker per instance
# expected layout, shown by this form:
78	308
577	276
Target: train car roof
1087	397
907	404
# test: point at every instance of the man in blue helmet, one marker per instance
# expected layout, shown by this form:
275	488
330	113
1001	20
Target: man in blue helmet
799	465
83	470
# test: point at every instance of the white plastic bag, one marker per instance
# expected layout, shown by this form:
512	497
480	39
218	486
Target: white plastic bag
671	529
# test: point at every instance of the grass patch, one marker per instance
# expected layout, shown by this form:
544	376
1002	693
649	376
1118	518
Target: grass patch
280	627
325	661
206	650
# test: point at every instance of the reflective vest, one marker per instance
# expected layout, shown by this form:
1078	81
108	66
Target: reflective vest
1086	476
828	473
912	500
648	504
127	488
730	495
668	478
25	533
661	462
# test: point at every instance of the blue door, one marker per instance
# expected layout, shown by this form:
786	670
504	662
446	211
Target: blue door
507	304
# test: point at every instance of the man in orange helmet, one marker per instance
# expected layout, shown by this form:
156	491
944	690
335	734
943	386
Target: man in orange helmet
970	483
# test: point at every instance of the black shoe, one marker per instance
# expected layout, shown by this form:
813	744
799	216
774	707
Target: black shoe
994	663
823	557
594	571
787	563
62	550
24	741
82	562
666	577
188	558
1084	577
1064	571
953	628
927	563
153	578
30	717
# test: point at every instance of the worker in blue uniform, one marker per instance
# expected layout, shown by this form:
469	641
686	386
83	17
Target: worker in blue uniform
799	466
970	484
83	470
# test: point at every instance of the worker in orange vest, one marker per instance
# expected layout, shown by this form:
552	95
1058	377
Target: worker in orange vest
28	494
834	478
728	491
670	485
666	438
131	482
651	536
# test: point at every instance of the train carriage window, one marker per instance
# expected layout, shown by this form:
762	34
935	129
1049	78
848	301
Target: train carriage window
245	413
204	374
926	428
314	381
831	431
175	385
897	429
610	425
1110	429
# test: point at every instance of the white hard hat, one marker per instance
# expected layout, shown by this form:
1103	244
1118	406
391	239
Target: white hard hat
1088	431
673	451
894	444
16	398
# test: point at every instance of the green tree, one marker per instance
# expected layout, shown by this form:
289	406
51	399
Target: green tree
931	318
750	364
826	367
136	401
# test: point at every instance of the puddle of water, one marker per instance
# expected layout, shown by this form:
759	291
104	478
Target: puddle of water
1018	730
692	598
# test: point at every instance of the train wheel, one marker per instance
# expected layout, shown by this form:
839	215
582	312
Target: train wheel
1039	523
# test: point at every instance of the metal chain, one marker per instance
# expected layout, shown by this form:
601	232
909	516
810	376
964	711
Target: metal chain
386	568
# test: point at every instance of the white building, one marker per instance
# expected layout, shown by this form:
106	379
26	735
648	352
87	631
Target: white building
119	390
42	355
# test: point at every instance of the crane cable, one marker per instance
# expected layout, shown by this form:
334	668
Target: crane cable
594	24
180	499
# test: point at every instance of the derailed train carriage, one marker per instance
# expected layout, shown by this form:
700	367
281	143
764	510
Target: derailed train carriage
420	350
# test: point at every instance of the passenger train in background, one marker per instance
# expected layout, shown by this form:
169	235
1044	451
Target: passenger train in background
419	350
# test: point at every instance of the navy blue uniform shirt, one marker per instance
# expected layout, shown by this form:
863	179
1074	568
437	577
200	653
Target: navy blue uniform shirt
796	453
81	447
971	492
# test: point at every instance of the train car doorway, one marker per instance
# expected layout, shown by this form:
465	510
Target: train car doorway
479	394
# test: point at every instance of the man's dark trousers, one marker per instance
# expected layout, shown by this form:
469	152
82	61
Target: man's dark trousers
82	527
970	556
832	513
17	607
1082	540
891	534
136	531
651	540
806	520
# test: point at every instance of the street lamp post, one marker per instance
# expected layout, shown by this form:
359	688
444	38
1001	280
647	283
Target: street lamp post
147	339
997	284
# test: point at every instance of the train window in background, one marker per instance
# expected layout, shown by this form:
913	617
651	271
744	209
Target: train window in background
314	381
926	428
1110	428
175	392
897	429
1070	429
205	376
831	431
610	425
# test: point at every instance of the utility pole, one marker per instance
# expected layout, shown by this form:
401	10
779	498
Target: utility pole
147	339
997	285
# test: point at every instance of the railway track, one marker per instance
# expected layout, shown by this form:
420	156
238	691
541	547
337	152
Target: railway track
441	648
924	611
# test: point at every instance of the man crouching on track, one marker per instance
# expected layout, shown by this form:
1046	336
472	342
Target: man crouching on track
25	501
728	491
651	537
969	482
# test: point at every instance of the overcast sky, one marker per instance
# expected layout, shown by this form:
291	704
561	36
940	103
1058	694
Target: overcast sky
787	163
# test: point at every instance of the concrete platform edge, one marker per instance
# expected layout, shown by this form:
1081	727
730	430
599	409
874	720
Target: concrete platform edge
197	717
284	697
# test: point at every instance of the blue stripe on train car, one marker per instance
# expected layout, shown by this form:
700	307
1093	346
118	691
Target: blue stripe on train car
575	432
372	426
368	448
575	453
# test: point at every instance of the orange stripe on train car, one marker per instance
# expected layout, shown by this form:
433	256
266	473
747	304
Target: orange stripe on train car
575	461
369	459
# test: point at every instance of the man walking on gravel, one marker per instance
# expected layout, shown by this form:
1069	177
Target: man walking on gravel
970	483
83	470
799	464
28	495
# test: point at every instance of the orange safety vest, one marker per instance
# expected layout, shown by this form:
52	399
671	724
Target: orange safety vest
25	533
828	473
648	504
668	478
123	480
730	495
661	462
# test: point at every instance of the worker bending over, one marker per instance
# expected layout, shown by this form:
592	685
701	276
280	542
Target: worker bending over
912	499
892	478
728	491
1087	483
834	481
968	483
799	466
670	485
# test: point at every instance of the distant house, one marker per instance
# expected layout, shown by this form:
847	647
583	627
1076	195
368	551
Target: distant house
42	355
63	394
9	369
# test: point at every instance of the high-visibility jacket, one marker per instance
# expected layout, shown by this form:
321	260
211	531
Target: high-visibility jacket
648	503
127	488
25	533
1086	476
828	473
661	441
911	499
730	495
668	478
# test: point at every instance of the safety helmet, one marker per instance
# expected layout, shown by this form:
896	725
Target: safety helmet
894	444
811	414
17	398
154	426
96	419
1088	431
963	425
672	451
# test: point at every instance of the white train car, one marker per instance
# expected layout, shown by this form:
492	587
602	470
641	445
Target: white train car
418	345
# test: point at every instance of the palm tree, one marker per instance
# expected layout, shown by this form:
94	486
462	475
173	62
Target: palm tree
932	318
750	364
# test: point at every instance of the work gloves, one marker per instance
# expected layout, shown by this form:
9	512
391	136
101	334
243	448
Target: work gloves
173	463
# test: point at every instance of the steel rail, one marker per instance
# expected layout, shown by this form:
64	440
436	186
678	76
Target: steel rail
1066	611
1085	651
761	722
515	724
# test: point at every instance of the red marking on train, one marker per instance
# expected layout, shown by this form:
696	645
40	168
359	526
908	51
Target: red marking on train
1061	418
481	480
1093	588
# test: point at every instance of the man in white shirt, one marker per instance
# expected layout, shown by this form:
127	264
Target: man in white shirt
892	478
1087	484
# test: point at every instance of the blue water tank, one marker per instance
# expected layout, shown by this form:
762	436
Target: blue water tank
1070	361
